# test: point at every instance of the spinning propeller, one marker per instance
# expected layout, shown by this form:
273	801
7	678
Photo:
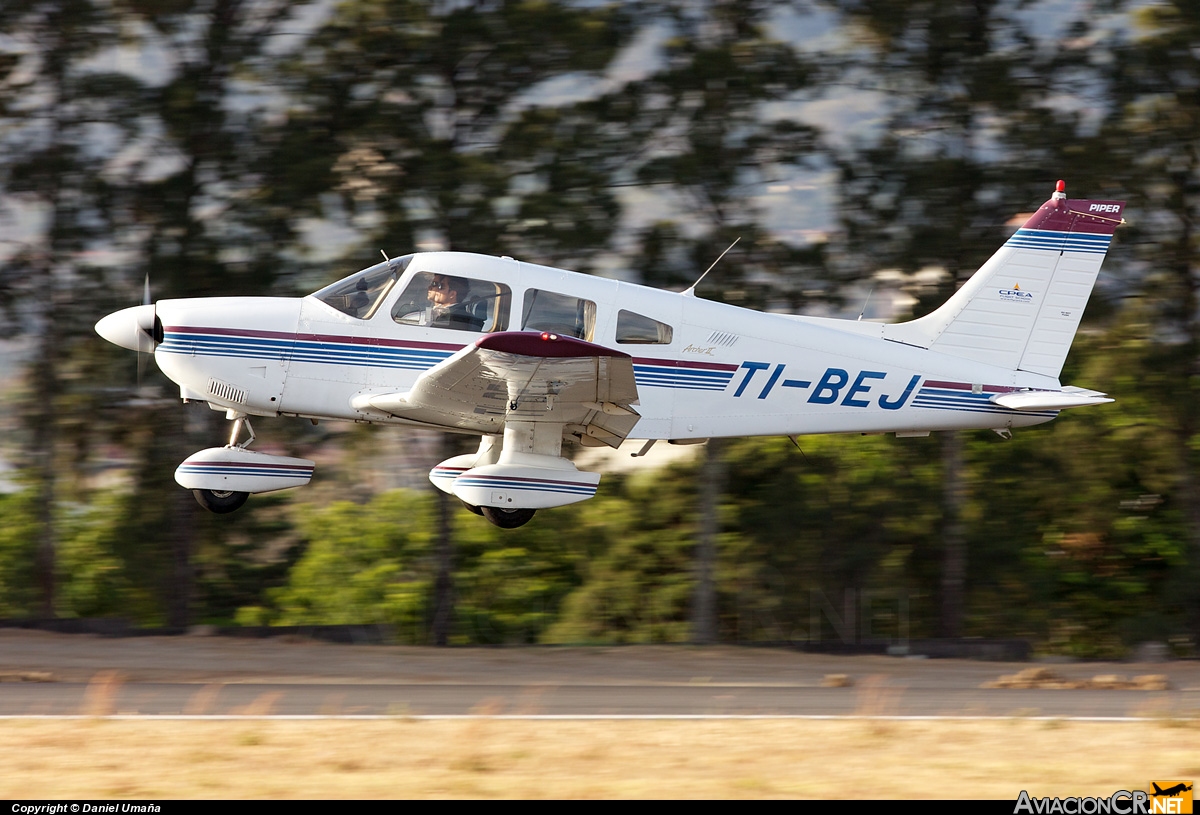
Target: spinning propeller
136	328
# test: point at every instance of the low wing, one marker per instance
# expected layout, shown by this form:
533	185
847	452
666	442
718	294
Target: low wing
523	376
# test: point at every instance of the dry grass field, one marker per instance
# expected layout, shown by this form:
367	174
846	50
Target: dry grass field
402	756
493	758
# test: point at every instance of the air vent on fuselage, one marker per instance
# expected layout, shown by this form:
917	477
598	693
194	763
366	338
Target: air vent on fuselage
226	392
723	339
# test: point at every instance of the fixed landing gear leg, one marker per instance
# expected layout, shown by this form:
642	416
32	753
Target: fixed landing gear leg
240	420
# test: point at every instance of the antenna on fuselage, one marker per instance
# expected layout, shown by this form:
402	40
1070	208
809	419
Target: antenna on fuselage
864	308
690	291
385	257
798	447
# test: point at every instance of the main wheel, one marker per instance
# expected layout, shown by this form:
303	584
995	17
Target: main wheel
220	501
472	507
507	518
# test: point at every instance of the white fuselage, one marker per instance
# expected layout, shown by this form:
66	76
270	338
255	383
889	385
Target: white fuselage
719	371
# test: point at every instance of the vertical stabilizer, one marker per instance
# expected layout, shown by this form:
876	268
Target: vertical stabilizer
1022	308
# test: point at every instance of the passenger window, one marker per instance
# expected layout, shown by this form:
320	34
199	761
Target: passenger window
636	329
460	303
560	313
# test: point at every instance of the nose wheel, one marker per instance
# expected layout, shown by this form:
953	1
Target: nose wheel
220	501
222	478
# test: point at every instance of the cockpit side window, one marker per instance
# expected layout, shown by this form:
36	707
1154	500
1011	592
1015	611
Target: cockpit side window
360	294
459	303
560	313
637	329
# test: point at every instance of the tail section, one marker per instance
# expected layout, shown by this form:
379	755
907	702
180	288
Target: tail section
1022	308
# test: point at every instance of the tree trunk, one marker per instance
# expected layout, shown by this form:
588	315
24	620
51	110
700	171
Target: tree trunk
183	533
712	482
954	561
45	376
443	587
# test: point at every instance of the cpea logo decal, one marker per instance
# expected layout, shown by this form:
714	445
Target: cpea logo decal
1016	295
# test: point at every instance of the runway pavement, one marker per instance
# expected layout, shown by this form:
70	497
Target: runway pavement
57	674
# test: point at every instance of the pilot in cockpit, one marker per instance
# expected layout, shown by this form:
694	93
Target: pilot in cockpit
447	294
445	301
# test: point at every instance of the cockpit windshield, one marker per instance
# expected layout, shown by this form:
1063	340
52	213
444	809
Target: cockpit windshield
359	294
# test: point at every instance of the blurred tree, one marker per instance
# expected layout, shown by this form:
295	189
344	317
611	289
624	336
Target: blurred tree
426	125
146	170
62	116
359	566
1150	129
209	221
705	134
701	133
638	577
19	586
796	530
425	118
825	529
1082	526
512	583
929	192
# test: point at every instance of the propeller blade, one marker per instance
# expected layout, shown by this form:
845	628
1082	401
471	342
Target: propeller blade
141	367
141	356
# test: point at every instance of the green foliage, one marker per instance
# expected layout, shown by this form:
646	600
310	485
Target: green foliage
362	564
638	583
510	584
18	535
373	563
238	559
1078	536
847	513
93	581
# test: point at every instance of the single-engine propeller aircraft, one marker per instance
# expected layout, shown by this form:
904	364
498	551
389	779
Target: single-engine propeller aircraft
528	357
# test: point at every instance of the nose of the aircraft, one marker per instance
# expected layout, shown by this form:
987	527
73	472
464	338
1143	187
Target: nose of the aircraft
131	328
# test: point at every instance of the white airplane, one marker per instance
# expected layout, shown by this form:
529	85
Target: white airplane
529	356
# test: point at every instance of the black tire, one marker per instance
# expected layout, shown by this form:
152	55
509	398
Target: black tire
507	518
220	501
472	507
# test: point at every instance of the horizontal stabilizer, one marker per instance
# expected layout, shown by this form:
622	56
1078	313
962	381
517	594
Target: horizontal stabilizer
1050	400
